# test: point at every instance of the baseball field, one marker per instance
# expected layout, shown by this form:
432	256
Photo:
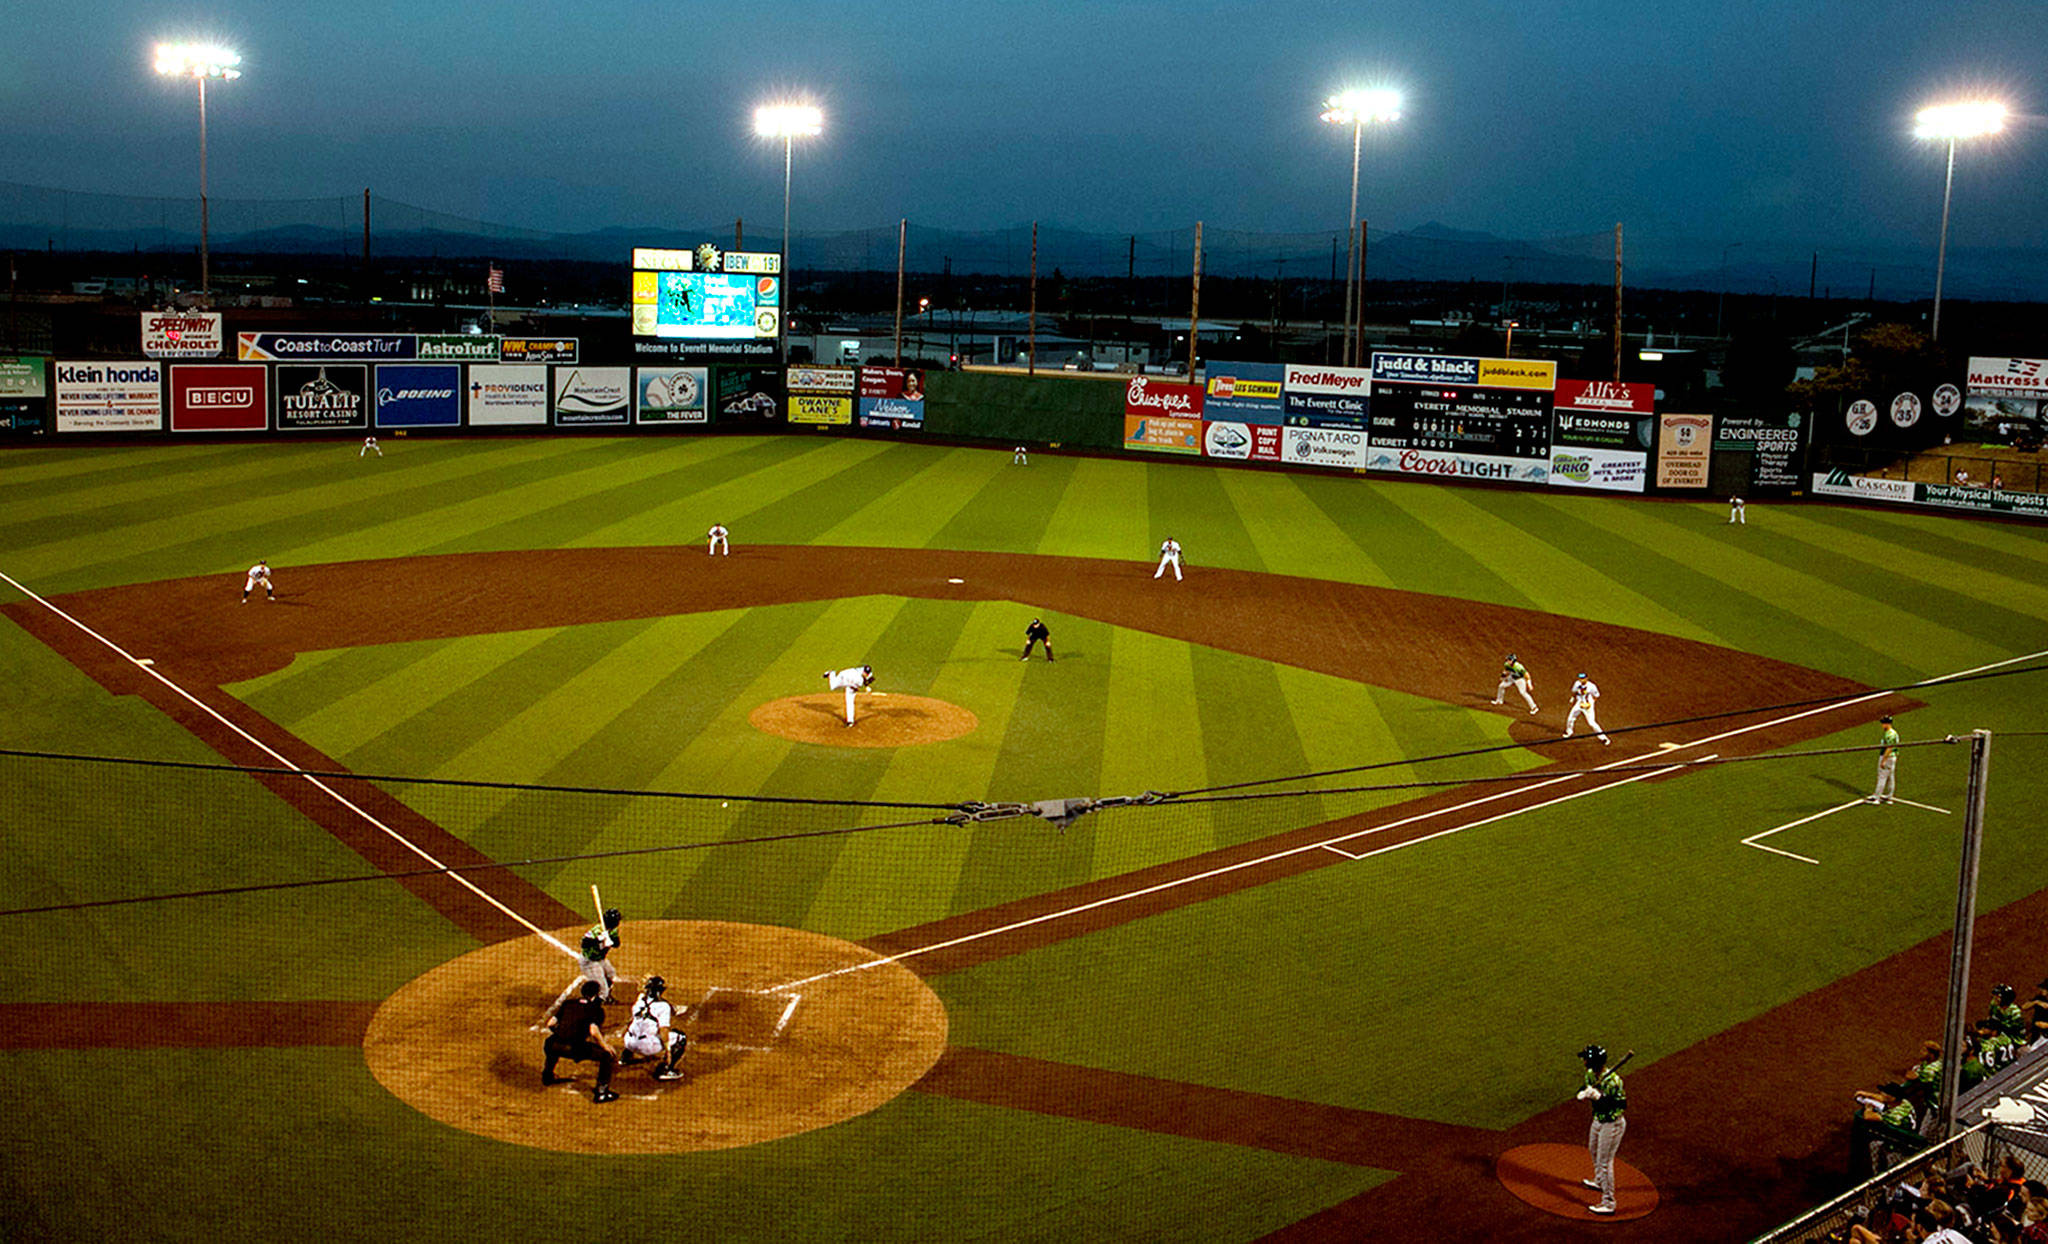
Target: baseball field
1324	958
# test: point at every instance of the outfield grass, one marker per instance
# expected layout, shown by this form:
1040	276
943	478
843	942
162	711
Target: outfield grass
1341	968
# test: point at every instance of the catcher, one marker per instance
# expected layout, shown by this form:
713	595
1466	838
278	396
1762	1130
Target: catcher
651	1033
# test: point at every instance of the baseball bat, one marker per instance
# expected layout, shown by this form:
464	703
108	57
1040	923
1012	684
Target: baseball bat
1624	1061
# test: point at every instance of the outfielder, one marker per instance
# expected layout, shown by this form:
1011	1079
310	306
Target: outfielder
856	679
718	544
1887	763
1584	692
260	573
1736	513
651	1032
1037	633
1604	1089
1019	458
1169	555
1514	674
369	447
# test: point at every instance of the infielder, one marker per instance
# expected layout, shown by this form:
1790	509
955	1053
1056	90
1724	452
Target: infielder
1019	458
1514	674
1735	511
651	1032
596	969
856	679
718	544
369	447
260	573
1887	763
1584	692
1610	1102
1169	555
1037	633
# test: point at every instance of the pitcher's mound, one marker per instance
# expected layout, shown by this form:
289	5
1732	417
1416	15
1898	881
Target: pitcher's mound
1548	1177
788	1031
880	720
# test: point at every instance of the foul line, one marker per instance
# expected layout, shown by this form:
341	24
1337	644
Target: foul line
1330	843
1751	841
149	668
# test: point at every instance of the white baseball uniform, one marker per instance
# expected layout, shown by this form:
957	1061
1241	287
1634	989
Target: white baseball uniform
1584	692
1169	555
1019	458
651	1018
258	574
850	681
1736	513
369	447
718	542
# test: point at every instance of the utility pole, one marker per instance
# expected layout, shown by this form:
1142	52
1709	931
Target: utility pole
902	233
1617	300
1966	920
1031	360
1195	305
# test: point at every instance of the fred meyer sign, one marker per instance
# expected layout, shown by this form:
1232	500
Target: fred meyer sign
380	347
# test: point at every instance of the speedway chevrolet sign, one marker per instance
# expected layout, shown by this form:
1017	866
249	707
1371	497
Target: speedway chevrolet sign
181	334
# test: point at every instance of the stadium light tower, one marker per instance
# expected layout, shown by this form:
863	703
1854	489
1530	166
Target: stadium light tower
787	122
199	61
1355	108
1949	122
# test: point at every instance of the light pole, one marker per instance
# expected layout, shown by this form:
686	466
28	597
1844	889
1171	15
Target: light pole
1508	350
199	62
786	122
1948	122
1355	108
1721	304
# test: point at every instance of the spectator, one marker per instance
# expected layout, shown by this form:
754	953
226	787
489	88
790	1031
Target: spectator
2035	1230
1962	478
1935	1218
1997	482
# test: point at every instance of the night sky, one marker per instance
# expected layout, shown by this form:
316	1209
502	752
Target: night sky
1766	123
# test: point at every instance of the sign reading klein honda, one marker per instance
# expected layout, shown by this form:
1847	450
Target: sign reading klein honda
110	397
224	397
181	334
1327	397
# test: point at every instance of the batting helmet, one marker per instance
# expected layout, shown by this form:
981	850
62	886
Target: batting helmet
1594	1056
612	917
1511	656
2002	992
654	985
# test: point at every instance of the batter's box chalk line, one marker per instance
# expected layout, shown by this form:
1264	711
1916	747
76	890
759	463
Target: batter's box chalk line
781	1022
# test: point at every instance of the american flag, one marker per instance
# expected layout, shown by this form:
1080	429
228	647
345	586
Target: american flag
496	280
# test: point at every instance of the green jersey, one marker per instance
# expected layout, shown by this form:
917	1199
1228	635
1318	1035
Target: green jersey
1613	1097
1899	1113
1513	671
2009	1020
1888	740
597	943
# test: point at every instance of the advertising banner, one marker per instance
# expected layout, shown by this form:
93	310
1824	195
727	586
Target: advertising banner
1254	442
182	334
743	395
1168	434
537	349
823	380
1983	500
1839	483
1517	374
23	416
1684	449
1609	415
1773	443
110	397
1327	397
891	397
1411	368
507	395
463	348
2003	377
2003	418
679	395
290	347
1460	466
1144	397
419	395
1615	397
1344	448
21	376
220	397
1485	423
325	395
1610	469
1245	392
588	396
820	408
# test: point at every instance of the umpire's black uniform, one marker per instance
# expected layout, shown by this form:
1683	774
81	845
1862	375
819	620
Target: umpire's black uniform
1036	633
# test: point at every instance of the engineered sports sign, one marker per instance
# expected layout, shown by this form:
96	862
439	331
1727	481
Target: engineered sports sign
110	397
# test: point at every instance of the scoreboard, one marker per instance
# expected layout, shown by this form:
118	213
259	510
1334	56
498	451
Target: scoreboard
1499	423
706	304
